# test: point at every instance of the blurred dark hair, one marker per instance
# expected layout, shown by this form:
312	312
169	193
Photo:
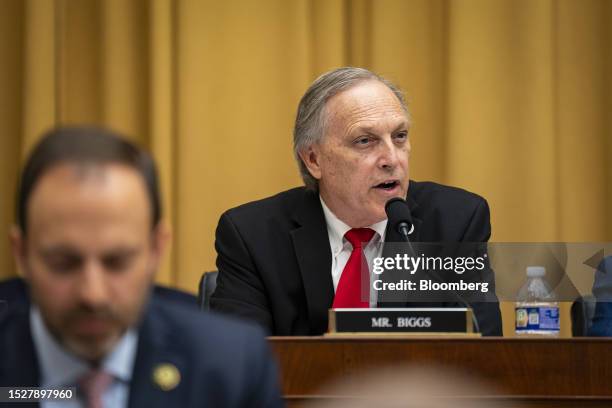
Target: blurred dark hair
84	146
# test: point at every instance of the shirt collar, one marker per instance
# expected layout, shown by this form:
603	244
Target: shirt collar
59	367
336	229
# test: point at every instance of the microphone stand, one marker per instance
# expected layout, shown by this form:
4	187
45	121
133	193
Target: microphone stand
404	232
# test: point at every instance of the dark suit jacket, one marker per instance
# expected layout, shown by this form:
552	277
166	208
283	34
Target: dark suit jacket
274	256
602	290
223	363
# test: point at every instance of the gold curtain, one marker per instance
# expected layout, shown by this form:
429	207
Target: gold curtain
510	98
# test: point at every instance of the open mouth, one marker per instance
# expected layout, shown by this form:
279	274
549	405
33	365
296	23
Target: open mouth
387	185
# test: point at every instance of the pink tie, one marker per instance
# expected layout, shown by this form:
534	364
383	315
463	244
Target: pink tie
93	385
353	288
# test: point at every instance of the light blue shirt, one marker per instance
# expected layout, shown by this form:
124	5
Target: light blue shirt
61	369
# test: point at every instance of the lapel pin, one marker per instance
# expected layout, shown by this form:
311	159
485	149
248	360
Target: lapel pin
166	376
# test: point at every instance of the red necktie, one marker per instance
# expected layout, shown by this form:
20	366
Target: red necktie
354	286
93	385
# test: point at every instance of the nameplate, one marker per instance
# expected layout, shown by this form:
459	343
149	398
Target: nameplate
401	320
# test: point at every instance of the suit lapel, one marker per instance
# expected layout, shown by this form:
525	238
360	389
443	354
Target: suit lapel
312	249
150	387
27	362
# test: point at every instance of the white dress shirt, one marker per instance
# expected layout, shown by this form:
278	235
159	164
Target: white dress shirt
341	249
62	369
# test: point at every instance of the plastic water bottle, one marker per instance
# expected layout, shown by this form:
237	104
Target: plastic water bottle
536	310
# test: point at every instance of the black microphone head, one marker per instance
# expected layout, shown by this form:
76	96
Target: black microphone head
398	211
400	219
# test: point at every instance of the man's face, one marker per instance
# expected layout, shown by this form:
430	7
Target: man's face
89	254
362	160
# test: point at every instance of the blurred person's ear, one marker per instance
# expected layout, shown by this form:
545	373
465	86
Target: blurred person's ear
18	248
162	236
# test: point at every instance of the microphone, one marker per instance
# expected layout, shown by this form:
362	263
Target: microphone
399	216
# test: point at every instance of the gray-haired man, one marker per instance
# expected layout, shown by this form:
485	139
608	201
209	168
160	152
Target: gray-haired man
285	260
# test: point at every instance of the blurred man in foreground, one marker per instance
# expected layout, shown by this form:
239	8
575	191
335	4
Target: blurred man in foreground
88	241
285	260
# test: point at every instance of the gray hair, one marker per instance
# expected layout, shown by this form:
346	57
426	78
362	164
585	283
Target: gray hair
311	118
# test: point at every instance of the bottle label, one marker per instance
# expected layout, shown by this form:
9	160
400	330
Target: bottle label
530	318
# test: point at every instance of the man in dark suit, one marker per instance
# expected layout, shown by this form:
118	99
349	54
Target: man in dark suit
285	260
88	242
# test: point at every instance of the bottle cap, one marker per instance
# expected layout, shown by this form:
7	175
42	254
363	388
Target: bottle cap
536	271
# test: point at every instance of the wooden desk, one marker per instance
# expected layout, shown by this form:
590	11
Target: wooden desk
574	372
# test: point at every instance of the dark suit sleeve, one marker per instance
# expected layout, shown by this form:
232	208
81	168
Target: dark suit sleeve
602	290
602	320
240	290
487	311
479	226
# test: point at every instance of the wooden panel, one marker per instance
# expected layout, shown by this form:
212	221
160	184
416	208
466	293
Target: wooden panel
534	372
499	402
